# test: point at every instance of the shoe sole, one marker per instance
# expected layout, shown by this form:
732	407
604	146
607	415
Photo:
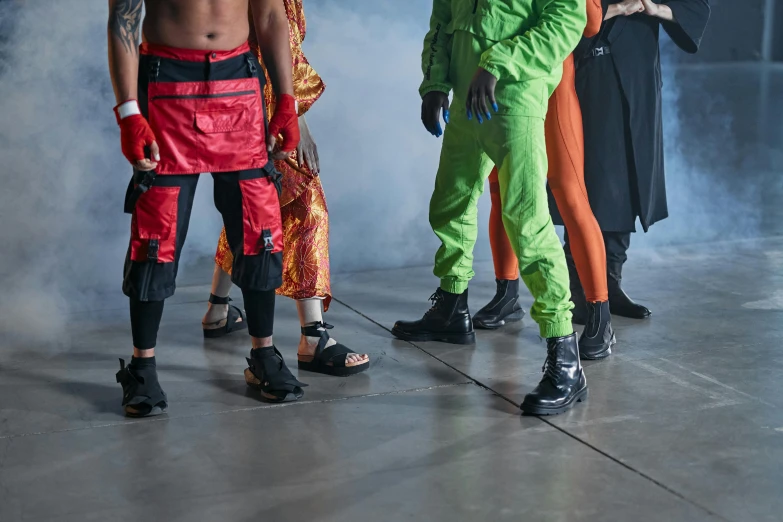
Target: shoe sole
468	338
601	355
154	412
345	371
217	333
536	410
630	316
510	318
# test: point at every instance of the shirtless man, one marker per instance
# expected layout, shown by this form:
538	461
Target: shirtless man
189	100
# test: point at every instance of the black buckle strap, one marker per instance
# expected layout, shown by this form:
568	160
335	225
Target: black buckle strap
152	250
154	70
251	67
133	194
269	243
219	300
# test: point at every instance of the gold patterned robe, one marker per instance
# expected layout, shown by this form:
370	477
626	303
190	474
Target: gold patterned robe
303	203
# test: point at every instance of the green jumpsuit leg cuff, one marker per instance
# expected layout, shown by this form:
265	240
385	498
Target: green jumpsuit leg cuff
559	329
453	286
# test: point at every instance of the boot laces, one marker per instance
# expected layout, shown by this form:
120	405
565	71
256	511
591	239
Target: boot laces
435	299
552	365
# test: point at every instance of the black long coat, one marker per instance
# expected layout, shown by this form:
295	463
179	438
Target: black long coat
620	96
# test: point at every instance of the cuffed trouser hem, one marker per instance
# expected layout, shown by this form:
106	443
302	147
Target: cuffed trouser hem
453	286
558	329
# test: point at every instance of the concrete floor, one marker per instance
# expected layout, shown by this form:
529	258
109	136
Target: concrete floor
684	422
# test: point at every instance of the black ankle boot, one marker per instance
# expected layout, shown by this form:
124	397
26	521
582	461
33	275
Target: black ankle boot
619	301
447	321
564	382
577	292
502	309
598	336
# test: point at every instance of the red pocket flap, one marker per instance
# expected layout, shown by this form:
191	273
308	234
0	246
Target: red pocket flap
156	213
226	120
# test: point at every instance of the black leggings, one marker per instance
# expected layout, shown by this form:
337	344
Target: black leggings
146	315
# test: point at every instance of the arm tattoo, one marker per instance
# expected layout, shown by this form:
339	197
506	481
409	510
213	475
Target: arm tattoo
124	21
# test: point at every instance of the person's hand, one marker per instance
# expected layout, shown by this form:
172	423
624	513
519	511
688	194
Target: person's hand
283	123
307	152
629	7
431	106
136	137
480	93
651	8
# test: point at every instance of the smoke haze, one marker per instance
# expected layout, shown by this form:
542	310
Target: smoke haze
64	234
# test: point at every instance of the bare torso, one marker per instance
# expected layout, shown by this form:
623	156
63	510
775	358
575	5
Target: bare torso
218	25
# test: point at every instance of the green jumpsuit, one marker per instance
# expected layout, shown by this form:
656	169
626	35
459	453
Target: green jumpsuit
523	43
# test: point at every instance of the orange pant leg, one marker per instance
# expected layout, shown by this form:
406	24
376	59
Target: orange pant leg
565	151
506	265
566	176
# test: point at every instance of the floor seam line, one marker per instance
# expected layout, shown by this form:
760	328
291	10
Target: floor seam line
166	418
546	421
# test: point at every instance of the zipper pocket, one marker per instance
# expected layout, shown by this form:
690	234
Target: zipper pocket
204	96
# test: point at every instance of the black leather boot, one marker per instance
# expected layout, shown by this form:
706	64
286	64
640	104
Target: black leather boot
502	309
577	292
619	301
598	336
447	321
564	382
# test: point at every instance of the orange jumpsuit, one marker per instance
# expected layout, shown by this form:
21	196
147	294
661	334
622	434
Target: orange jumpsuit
565	152
303	203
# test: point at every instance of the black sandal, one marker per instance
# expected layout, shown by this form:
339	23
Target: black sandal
331	360
268	373
142	395
232	324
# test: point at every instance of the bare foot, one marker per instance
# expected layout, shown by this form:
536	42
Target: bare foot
216	317
307	346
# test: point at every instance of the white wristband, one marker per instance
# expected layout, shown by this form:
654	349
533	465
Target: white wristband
129	108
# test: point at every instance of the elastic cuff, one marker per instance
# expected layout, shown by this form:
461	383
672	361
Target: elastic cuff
430	87
453	286
126	109
491	68
558	329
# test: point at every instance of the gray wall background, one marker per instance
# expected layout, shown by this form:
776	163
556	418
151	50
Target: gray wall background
64	235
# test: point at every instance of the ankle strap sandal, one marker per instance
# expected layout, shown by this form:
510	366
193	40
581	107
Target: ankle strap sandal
235	320
329	360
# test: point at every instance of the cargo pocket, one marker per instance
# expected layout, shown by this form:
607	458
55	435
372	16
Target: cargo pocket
215	122
154	226
262	230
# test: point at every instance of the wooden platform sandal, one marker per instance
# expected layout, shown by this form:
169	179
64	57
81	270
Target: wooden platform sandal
268	373
330	360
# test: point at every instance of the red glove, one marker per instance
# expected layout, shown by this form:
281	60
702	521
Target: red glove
286	122
135	132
